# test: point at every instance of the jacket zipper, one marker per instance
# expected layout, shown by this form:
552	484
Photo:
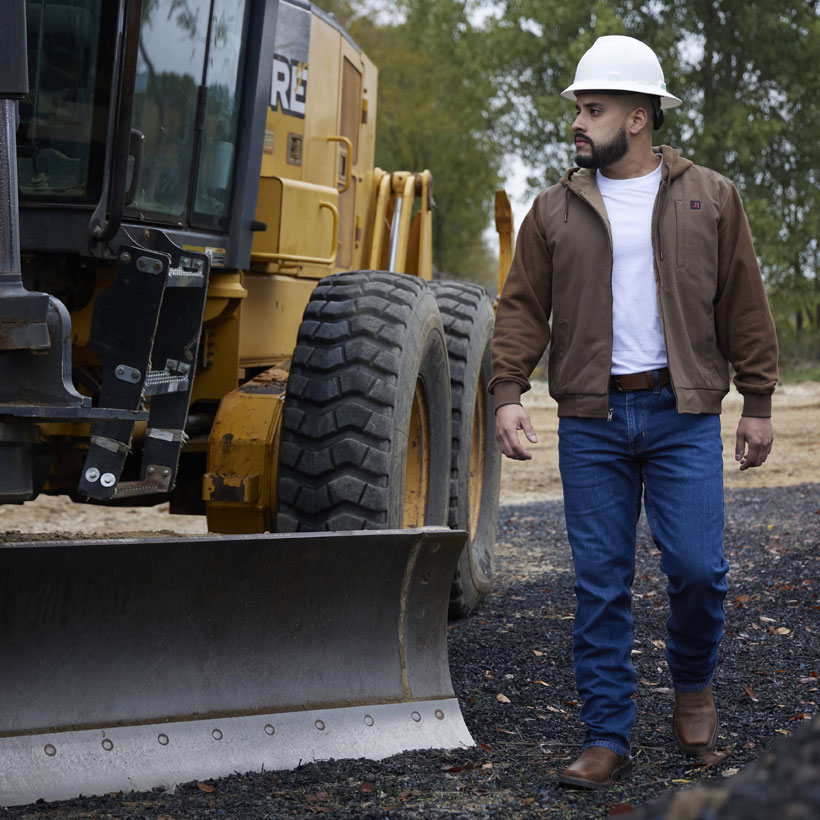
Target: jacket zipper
655	236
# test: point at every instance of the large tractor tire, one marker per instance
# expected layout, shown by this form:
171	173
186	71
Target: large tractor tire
366	427
475	470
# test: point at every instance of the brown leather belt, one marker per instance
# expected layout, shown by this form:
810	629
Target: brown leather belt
628	382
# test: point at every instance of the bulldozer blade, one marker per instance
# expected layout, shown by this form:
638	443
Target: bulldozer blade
134	664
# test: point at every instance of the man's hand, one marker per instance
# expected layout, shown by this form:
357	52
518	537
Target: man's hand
509	419
754	441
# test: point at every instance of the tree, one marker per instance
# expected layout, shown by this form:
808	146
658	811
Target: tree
436	111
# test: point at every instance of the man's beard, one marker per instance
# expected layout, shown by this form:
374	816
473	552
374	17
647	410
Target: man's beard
606	154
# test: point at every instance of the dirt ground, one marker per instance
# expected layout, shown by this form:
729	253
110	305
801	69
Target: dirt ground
794	460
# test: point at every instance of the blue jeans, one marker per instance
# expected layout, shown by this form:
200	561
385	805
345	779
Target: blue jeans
675	461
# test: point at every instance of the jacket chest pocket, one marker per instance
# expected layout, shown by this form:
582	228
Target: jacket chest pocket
696	236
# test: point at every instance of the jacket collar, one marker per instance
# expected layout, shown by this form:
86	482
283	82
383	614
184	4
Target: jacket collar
582	180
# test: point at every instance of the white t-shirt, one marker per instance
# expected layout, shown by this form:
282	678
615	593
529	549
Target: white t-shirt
637	336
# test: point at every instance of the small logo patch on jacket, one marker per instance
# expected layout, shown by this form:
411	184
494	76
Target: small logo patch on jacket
694	204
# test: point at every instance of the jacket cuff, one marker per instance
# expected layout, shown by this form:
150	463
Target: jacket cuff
757	405
506	393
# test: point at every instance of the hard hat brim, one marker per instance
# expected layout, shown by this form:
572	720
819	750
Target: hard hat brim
667	100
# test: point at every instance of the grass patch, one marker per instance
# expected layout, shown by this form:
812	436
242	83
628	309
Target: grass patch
796	372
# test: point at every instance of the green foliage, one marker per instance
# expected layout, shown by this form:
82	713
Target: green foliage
800	373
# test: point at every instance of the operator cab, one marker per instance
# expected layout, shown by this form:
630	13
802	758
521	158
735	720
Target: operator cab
133	117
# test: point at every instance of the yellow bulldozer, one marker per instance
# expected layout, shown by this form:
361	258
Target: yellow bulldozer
210	294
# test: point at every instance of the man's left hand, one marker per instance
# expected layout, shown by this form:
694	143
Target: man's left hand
754	441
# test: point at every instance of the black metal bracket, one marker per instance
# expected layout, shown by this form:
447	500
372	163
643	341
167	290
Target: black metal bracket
146	329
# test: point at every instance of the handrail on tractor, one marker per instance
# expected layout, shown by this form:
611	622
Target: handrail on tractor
309	260
379	219
506	236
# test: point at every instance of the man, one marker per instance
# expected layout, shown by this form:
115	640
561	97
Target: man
644	263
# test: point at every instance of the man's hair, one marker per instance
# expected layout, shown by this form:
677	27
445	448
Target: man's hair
634	99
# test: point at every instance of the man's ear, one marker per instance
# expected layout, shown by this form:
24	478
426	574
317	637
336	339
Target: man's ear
638	120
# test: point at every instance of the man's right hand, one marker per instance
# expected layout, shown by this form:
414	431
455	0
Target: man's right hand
509	419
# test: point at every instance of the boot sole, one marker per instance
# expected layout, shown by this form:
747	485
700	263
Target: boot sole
581	783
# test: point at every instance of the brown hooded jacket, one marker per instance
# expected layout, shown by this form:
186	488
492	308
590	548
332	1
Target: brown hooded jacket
711	298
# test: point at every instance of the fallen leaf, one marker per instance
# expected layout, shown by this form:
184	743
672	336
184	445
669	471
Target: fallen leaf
527	801
709	759
659	644
751	693
621	808
489	674
556	709
782	630
767	620
682	780
541	682
730	772
367	788
487	766
741	599
504	731
649	682
501	698
485	746
204	787
319	797
801	716
782	731
454	768
750	744
537	653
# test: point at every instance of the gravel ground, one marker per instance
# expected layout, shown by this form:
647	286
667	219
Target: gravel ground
511	670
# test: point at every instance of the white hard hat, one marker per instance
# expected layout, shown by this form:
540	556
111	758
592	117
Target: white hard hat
618	63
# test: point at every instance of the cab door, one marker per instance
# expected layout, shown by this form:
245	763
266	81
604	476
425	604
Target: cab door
186	105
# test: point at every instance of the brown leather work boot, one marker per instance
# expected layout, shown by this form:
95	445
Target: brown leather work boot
596	768
695	721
